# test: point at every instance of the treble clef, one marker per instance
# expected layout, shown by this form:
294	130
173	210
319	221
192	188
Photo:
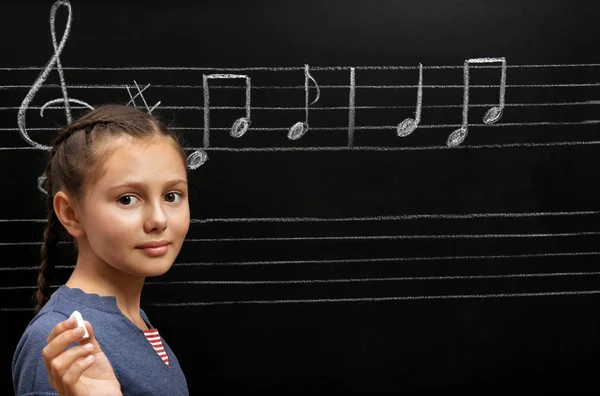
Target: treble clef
53	62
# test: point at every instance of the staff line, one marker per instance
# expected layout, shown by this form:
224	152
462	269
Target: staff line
380	299
294	68
420	216
393	237
337	86
365	148
350	261
345	280
434	216
371	127
390	259
322	108
362	280
357	238
360	299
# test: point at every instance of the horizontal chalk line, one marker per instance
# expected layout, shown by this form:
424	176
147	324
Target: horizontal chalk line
366	218
294	68
379	299
391	259
368	127
351	261
393	237
359	280
302	87
365	148
396	148
363	299
420	216
317	108
435	216
348	280
426	126
359	237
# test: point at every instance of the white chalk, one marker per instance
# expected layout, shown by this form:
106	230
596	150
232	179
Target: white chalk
80	323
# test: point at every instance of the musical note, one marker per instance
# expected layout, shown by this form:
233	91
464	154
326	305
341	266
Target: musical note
41	79
196	159
409	125
140	94
492	115
300	128
241	125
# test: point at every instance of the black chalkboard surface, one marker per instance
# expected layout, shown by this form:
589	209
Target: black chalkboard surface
386	195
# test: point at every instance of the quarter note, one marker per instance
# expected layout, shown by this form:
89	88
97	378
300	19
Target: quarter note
492	115
300	128
239	126
409	125
41	79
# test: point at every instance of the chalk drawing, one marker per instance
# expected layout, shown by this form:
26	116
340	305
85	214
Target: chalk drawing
352	107
141	95
196	159
300	128
409	125
52	63
492	115
241	125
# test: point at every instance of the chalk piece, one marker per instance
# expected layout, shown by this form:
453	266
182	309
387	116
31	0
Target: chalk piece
80	323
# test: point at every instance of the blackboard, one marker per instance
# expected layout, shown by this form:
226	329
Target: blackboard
334	246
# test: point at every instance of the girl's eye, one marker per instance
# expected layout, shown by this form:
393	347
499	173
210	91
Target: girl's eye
127	200
173	197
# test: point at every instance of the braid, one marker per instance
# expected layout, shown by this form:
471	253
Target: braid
69	131
48	251
52	231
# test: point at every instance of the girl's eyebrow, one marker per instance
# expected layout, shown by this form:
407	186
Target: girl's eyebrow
141	185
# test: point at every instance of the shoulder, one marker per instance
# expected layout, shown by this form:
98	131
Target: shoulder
39	328
28	369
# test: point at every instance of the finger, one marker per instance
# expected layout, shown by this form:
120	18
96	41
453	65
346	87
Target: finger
60	328
72	375
59	343
49	352
61	364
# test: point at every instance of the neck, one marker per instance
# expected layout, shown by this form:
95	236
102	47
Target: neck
93	275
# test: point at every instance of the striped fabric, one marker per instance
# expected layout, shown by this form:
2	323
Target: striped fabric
154	338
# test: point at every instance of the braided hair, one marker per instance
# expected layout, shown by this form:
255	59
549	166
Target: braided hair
73	158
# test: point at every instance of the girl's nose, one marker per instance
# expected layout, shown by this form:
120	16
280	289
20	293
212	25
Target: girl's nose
155	219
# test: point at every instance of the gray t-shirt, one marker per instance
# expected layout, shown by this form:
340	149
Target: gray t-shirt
139	369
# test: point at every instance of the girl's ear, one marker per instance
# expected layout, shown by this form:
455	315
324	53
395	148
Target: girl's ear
67	212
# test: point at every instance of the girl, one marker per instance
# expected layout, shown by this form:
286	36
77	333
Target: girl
117	183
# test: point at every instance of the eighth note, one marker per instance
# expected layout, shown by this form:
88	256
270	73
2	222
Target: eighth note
241	125
300	128
409	125
492	115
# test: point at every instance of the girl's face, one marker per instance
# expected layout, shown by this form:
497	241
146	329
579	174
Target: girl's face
139	197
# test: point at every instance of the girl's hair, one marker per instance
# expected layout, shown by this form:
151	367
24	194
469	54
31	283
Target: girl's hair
75	158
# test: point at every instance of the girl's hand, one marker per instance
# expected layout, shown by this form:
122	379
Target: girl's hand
81	370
